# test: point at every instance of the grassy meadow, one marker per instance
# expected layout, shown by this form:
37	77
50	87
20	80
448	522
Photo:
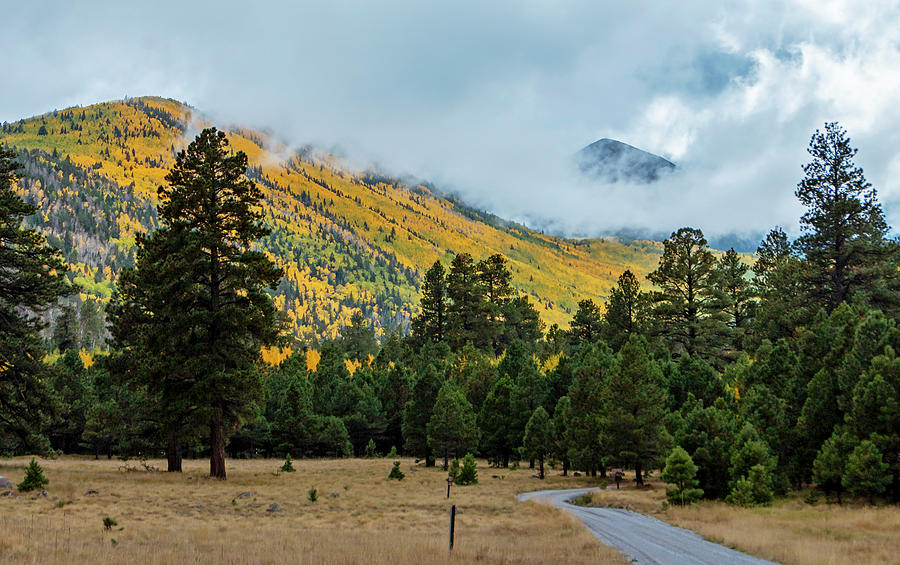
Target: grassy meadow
790	531
360	516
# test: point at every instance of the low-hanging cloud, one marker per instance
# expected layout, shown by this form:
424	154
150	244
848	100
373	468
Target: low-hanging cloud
491	100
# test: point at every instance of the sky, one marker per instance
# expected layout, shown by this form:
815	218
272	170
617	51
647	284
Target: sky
492	99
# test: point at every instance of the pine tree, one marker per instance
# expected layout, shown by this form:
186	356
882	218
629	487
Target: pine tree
418	413
452	428
468	472
686	308
562	434
681	472
498	439
203	287
465	314
633	408
866	471
735	296
495	280
31	280
844	228
875	411
538	440
34	478
830	465
592	368
625	312
431	323
587	324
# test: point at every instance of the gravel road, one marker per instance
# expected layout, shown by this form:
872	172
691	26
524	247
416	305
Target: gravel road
643	539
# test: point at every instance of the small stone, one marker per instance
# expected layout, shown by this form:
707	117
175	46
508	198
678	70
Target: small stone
274	508
45	493
246	494
576	474
91	492
6	493
5	483
334	495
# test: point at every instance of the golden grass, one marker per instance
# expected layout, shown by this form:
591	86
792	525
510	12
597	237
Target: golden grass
187	518
790	531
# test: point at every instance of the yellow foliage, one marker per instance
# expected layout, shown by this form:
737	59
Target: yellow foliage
312	359
274	356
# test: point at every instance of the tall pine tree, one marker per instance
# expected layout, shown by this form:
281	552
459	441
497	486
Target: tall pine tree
213	298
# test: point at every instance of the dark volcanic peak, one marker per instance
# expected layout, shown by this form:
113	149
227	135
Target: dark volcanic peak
608	160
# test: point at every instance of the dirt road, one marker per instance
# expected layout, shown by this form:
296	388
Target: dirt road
643	539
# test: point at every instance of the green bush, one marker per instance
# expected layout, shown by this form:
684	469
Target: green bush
393	453
396	473
313	494
34	478
468	473
108	523
370	449
288	466
753	490
741	494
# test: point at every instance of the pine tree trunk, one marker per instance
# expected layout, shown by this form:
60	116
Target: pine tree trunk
541	459
638	475
173	454
217	444
565	467
446	458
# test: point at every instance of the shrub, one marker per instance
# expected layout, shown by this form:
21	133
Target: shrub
288	466
752	490
468	473
393	452
34	478
761	479
396	473
313	494
108	523
741	494
370	449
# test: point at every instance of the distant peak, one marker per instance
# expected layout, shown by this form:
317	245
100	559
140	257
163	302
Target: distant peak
610	160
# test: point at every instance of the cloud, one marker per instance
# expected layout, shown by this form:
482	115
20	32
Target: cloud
492	99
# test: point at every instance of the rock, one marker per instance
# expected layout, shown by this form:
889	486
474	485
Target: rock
246	494
274	508
576	474
91	492
6	493
5	483
334	495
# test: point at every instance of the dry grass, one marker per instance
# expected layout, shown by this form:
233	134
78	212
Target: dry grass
187	518
790	531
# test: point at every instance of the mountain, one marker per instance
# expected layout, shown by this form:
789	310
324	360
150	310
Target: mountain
347	239
610	161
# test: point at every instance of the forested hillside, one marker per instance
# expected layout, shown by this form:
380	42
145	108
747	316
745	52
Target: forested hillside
347	239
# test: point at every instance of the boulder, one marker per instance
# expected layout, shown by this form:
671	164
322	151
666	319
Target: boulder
246	494
274	508
5	483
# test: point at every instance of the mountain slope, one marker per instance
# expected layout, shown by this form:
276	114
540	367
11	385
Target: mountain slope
347	239
612	161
